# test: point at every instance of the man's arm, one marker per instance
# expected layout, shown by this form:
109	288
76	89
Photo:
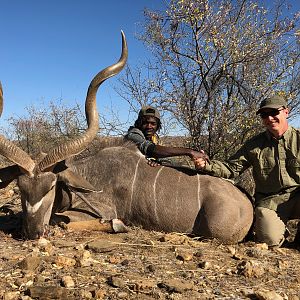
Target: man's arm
159	151
150	149
230	169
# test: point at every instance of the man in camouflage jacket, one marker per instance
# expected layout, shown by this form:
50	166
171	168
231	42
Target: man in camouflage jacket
275	157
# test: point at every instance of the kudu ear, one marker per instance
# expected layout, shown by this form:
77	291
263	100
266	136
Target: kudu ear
75	181
8	174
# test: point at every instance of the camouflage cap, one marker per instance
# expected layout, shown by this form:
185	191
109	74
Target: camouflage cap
149	111
274	102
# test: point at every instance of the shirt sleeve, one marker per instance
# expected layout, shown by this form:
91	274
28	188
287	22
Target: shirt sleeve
231	168
135	135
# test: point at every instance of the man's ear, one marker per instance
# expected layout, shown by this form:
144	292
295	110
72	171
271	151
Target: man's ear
75	181
8	174
287	111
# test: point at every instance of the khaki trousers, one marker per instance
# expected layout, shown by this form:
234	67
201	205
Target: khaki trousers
270	225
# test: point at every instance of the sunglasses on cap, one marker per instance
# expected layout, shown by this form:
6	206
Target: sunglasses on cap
270	113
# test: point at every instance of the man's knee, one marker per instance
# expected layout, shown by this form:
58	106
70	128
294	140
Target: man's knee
269	228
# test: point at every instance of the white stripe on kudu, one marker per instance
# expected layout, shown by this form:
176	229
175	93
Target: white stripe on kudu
154	193
32	209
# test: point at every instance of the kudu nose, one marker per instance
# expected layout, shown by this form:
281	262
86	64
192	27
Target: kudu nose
32	234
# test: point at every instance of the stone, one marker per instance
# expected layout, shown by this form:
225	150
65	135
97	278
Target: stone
250	269
144	285
84	259
45	246
176	285
268	295
65	262
67	281
231	250
11	295
47	292
86	294
204	264
116	281
122	295
30	263
184	255
101	246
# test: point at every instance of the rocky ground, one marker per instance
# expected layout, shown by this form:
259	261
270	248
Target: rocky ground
137	265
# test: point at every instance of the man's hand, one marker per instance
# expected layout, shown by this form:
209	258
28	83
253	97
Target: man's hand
200	159
153	162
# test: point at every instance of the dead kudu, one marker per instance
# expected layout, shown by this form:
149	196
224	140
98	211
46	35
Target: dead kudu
118	183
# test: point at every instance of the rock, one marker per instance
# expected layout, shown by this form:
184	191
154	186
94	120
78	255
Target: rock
39	278
228	271
122	295
293	297
86	295
262	246
100	294
65	262
198	254
176	285
269	295
26	298
42	242
67	281
30	263
250	269
114	259
84	259
231	250
125	262
116	281
173	238
11	295
184	255
47	292
204	264
23	282
255	252
65	244
144	285
101	246
45	246
282	264
150	268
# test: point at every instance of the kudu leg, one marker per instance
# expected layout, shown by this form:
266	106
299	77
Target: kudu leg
112	226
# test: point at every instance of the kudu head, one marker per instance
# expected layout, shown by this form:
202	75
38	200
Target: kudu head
38	179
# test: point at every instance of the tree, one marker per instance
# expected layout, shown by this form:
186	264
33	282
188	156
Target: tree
45	127
213	62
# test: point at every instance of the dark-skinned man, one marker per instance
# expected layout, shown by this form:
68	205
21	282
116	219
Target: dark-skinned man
144	135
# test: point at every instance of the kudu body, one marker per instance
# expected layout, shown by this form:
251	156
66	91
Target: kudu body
164	198
118	183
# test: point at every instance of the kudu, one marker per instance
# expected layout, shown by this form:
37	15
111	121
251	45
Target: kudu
118	183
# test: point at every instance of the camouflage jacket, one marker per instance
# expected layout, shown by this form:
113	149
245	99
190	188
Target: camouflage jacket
275	162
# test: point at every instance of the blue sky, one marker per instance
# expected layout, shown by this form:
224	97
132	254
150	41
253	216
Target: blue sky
51	49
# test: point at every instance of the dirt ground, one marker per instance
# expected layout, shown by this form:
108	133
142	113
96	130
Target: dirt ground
137	265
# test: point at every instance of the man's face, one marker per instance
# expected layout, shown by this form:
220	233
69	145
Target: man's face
275	120
149	126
